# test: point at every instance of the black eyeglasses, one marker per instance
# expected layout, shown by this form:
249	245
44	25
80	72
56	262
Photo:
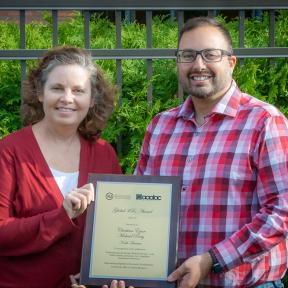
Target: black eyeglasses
208	55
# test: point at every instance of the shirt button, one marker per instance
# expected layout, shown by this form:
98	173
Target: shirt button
189	159
196	133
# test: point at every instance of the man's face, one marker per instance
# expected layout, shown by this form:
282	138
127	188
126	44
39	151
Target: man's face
200	78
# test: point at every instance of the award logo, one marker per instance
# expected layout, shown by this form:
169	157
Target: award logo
147	197
116	196
109	196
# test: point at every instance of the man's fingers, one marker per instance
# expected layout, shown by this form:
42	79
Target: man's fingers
187	282
177	274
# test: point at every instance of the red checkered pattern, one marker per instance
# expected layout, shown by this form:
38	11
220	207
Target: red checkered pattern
235	181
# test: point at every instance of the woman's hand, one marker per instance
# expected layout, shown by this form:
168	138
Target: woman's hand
114	284
76	202
74	281
117	284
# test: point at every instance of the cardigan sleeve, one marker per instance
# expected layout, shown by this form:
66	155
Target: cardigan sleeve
25	235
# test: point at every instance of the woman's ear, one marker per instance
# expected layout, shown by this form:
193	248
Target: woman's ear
40	97
92	102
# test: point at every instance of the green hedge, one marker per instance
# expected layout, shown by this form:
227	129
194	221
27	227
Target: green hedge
254	76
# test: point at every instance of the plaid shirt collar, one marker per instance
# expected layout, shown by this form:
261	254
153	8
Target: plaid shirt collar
228	105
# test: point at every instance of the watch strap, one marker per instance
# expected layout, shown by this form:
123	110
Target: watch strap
216	266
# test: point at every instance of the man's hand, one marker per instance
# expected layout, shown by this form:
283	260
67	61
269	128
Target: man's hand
192	271
76	202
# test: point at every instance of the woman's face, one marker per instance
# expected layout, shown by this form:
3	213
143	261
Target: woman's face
66	96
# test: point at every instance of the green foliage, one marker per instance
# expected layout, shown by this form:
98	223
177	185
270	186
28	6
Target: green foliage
71	32
10	35
165	33
262	78
281	38
9	96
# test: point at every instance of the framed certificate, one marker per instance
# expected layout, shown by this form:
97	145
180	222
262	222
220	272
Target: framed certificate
131	230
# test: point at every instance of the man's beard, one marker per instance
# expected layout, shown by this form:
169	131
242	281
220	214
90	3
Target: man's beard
203	92
213	87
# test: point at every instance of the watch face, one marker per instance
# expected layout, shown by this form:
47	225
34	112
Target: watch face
217	268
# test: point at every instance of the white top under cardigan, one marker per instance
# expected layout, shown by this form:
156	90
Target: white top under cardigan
66	181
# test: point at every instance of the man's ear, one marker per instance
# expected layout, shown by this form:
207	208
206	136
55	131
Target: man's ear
232	61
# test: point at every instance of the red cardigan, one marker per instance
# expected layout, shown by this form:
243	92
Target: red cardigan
39	245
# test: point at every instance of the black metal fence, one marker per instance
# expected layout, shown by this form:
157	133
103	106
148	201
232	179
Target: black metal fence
177	9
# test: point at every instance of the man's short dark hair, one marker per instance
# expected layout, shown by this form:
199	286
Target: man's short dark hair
196	22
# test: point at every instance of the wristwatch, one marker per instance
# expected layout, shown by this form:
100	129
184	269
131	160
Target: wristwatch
216	267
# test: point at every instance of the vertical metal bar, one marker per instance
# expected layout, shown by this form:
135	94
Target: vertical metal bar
22	46
180	16
55	28
149	61
272	32
271	28
133	15
22	29
119	70
172	15
212	13
149	29
118	45
241	32
87	29
130	15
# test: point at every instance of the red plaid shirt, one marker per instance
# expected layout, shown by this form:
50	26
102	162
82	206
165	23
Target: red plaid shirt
234	196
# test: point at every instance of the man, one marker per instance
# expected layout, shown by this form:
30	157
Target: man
231	151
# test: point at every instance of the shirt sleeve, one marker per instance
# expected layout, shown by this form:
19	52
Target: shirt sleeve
26	235
269	226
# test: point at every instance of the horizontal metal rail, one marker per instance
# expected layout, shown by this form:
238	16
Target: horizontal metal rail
147	53
143	5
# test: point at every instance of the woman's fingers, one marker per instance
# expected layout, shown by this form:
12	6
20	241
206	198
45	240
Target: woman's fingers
76	202
88	191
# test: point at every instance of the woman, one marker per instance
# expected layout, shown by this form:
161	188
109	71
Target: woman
66	104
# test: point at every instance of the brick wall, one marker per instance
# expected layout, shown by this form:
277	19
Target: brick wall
31	15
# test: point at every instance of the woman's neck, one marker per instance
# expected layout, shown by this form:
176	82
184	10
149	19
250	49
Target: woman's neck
61	149
55	133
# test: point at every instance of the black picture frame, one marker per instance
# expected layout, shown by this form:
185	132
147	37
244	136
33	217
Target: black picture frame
91	228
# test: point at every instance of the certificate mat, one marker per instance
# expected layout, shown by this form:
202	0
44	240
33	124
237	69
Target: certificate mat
131	230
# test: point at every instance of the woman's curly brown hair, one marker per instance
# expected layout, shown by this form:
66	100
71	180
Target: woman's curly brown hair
102	92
